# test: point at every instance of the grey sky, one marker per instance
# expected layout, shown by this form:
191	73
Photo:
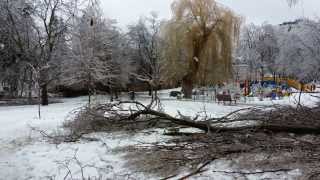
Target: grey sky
254	11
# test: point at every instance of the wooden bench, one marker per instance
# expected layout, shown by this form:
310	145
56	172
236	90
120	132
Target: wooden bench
225	98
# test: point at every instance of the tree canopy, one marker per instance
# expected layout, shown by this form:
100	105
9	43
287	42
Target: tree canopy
200	41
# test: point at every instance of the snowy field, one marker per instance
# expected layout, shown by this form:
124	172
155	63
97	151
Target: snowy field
25	154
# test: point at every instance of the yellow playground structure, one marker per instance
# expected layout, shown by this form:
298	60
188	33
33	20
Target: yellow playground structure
291	83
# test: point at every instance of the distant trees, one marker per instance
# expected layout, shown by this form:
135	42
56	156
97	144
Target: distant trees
99	57
206	32
258	47
50	43
31	32
18	39
291	48
54	17
91	51
45	43
300	49
146	40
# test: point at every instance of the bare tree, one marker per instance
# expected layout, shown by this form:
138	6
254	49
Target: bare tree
90	63
145	36
259	48
54	17
19	45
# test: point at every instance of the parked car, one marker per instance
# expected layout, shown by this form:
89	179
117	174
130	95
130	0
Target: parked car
175	93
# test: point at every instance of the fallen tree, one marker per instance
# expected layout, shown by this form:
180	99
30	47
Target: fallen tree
289	135
276	119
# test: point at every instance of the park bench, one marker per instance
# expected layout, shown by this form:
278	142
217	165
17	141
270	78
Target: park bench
225	98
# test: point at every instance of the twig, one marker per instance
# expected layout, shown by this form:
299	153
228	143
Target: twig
252	173
199	170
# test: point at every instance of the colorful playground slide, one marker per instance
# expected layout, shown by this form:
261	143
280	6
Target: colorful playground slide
291	83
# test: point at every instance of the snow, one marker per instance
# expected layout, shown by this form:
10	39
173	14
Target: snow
25	154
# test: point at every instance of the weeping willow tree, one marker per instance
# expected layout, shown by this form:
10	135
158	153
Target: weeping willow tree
200	39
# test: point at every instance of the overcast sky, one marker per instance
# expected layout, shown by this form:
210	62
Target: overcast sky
255	11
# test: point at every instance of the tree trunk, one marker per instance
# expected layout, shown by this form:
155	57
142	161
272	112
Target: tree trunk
30	88
24	79
89	98
276	128
111	94
89	88
30	94
189	79
22	89
14	89
300	94
150	90
156	93
187	86
116	94
44	95
39	103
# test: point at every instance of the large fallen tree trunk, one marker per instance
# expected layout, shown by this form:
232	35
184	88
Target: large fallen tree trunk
276	119
205	125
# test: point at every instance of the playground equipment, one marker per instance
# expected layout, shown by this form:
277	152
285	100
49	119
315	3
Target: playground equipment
291	83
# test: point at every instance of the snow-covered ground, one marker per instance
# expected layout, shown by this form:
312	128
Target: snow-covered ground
25	154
